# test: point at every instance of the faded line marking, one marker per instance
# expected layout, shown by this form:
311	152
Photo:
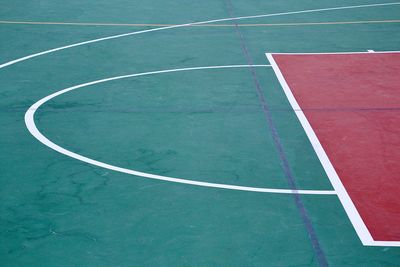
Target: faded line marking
290	177
199	25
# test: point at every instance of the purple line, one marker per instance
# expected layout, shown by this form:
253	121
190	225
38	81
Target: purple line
278	145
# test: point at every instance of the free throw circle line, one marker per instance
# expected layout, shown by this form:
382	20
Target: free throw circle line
30	124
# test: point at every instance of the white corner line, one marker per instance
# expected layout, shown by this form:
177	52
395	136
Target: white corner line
30	124
355	218
383	244
191	24
336	53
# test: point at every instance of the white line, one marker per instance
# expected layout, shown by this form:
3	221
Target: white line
337	53
383	243
190	24
30	124
355	218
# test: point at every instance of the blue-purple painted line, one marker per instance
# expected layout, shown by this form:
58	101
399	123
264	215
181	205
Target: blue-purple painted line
279	147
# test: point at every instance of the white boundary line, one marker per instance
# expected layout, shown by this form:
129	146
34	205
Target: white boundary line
355	218
190	24
340	53
30	124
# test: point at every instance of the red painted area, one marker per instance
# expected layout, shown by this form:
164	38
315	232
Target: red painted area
352	102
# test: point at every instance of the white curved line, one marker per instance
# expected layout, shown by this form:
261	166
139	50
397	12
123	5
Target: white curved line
30	124
190	24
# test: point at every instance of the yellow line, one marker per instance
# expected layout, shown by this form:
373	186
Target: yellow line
323	23
202	25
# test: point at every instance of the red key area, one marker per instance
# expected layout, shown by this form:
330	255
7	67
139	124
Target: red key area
352	102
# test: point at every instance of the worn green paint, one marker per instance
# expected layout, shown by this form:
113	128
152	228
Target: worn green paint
206	125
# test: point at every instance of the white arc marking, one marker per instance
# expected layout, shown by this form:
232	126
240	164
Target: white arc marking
30	124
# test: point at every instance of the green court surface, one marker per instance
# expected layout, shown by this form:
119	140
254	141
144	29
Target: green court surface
230	125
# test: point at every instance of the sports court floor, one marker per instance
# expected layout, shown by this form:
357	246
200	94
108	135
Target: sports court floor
199	133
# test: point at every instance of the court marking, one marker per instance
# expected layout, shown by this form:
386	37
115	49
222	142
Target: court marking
29	114
355	218
30	124
191	24
198	25
335	53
